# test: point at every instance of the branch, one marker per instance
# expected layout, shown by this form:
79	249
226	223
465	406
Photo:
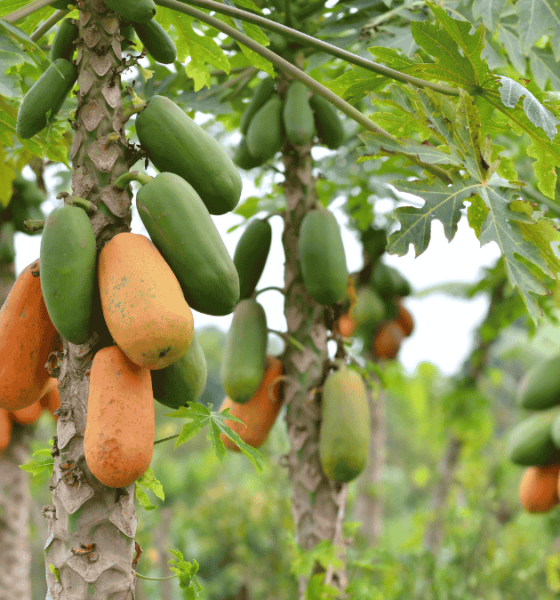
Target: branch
309	40
50	22
26	10
296	73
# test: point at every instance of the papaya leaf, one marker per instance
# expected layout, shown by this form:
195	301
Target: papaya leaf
23	41
148	481
488	11
9	6
44	462
199	416
186	573
512	46
7	176
544	68
536	17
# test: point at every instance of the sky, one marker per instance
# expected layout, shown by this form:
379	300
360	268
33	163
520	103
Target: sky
444	325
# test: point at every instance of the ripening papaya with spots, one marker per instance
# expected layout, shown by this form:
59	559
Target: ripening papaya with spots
538	490
27	415
388	340
5	429
51	400
27	337
120	429
142	302
258	414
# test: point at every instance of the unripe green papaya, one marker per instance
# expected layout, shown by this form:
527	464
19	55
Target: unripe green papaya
250	256
182	381
540	387
243	158
156	41
262	93
369	307
133	11
345	426
127	34
28	191
382	281
323	260
176	144
183	231
68	272
374	242
244	359
47	95
530	442
402	287
329	126
7	250
298	116
63	43
265	136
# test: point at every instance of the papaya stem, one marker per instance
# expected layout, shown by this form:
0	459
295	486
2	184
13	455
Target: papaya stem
81	202
298	74
309	40
50	22
171	437
154	578
26	10
132	109
126	178
34	224
287	338
267	289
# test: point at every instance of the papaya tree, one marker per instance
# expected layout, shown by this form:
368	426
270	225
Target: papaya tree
435	113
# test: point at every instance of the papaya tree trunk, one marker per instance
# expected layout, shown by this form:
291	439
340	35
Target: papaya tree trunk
318	503
90	547
15	499
370	502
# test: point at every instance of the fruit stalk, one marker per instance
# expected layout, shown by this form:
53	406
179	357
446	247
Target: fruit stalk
84	511
318	503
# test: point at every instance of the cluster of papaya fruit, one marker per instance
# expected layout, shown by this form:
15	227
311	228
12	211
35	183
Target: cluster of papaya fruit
25	203
28	415
376	312
267	122
535	442
45	98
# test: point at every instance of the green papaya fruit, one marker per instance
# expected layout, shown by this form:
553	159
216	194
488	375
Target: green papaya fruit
63	43
183	231
250	256
182	381
540	387
28	191
555	431
322	256
133	11
345	426
383	281
369	307
21	213
176	144
127	34
7	249
530	442
329	126
244	359
47	94
297	114
402	287
264	136
68	272
374	242
262	93
243	158
156	41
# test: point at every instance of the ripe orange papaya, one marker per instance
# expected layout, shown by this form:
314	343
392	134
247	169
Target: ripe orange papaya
405	320
51	400
345	325
27	337
5	429
388	340
259	413
27	415
538	490
120	428
142	302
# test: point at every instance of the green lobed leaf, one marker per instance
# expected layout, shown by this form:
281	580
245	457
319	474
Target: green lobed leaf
488	11
536	17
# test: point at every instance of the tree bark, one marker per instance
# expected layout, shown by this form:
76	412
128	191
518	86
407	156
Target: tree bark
318	503
90	547
370	502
